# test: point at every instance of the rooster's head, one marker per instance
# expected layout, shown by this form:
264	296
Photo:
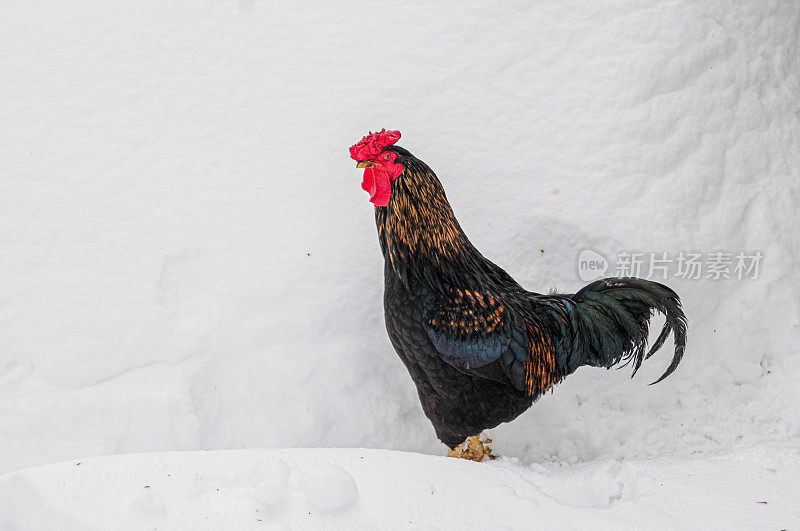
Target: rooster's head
376	155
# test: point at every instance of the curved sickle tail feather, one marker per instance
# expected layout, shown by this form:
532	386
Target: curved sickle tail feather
610	318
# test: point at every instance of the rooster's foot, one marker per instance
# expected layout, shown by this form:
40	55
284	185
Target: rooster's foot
473	448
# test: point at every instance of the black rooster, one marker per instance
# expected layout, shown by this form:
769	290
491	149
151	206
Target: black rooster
479	347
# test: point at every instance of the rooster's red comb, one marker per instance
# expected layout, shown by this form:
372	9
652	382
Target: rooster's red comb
373	143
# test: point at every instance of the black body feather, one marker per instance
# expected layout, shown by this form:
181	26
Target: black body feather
479	347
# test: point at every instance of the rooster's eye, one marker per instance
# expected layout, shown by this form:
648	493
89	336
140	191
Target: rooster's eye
386	156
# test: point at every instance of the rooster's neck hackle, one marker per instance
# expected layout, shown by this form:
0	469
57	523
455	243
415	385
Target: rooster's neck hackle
420	236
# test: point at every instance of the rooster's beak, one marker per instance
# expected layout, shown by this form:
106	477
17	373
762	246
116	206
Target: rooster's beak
364	164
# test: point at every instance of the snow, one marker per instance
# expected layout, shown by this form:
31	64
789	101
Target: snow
347	488
188	261
328	488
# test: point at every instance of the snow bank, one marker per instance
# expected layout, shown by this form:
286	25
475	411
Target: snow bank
343	488
188	261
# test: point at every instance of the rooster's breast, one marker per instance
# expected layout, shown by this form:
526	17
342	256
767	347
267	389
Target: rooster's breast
459	405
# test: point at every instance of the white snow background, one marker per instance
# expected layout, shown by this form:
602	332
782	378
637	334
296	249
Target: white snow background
188	262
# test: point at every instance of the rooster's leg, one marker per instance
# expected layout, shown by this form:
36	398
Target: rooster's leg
473	448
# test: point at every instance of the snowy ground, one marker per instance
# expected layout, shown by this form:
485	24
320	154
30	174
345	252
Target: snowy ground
188	261
359	488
